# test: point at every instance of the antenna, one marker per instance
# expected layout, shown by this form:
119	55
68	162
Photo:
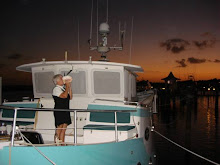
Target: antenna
65	56
122	34
119	33
97	23
90	37
78	42
125	25
107	13
132	21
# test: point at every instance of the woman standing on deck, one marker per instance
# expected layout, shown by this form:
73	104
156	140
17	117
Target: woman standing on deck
61	97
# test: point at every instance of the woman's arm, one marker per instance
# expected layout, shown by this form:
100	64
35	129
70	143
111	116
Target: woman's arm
65	93
70	92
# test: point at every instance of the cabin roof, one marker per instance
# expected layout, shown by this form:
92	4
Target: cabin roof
27	67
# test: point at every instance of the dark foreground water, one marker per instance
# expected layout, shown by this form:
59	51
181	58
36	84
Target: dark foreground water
192	122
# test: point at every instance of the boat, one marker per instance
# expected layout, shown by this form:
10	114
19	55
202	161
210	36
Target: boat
110	125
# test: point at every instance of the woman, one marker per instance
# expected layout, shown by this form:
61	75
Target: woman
61	97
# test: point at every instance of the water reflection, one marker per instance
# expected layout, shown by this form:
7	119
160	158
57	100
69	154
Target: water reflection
191	122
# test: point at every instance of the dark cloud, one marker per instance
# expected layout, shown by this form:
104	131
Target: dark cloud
217	61
175	45
207	43
193	60
14	56
181	63
204	44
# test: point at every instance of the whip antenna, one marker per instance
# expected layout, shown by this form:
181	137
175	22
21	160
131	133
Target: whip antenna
90	36
132	20
107	13
78	43
125	25
119	31
97	22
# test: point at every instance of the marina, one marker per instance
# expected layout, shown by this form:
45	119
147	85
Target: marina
109	82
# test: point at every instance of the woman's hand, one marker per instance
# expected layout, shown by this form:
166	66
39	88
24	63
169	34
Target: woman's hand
68	84
68	87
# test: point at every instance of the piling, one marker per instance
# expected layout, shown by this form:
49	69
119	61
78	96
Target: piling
0	90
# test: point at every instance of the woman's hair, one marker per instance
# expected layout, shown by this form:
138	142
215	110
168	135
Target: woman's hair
56	77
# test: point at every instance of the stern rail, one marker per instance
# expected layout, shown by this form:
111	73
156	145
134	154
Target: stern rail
16	109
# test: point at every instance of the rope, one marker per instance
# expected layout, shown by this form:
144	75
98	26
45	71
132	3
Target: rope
36	148
208	160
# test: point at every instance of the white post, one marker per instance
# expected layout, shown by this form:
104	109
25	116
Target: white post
14	127
75	128
116	128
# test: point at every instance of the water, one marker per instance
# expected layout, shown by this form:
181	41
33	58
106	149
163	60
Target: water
15	93
191	122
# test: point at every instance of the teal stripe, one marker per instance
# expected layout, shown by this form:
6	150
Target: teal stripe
141	112
128	152
20	114
108	127
108	107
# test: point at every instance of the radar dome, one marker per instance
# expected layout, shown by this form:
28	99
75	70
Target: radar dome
104	28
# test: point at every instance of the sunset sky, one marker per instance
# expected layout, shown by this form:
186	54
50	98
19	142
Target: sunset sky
181	36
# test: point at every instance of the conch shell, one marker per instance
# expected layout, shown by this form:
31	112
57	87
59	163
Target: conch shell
67	79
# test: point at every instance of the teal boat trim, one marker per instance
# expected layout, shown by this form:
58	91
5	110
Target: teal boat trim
130	152
21	114
121	117
108	127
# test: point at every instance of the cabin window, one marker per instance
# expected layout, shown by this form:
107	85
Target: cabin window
44	82
79	81
106	82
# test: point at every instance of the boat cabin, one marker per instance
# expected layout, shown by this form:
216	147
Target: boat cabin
90	79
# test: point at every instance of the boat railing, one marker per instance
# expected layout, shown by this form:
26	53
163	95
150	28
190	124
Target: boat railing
16	109
120	101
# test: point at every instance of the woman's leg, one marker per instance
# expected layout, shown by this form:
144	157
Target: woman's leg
63	131
59	130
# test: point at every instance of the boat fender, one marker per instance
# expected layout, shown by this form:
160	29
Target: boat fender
147	134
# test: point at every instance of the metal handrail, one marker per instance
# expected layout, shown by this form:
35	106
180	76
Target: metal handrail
120	101
64	110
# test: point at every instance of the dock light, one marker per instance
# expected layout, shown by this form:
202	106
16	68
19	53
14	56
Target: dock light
213	89
203	87
163	88
208	89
